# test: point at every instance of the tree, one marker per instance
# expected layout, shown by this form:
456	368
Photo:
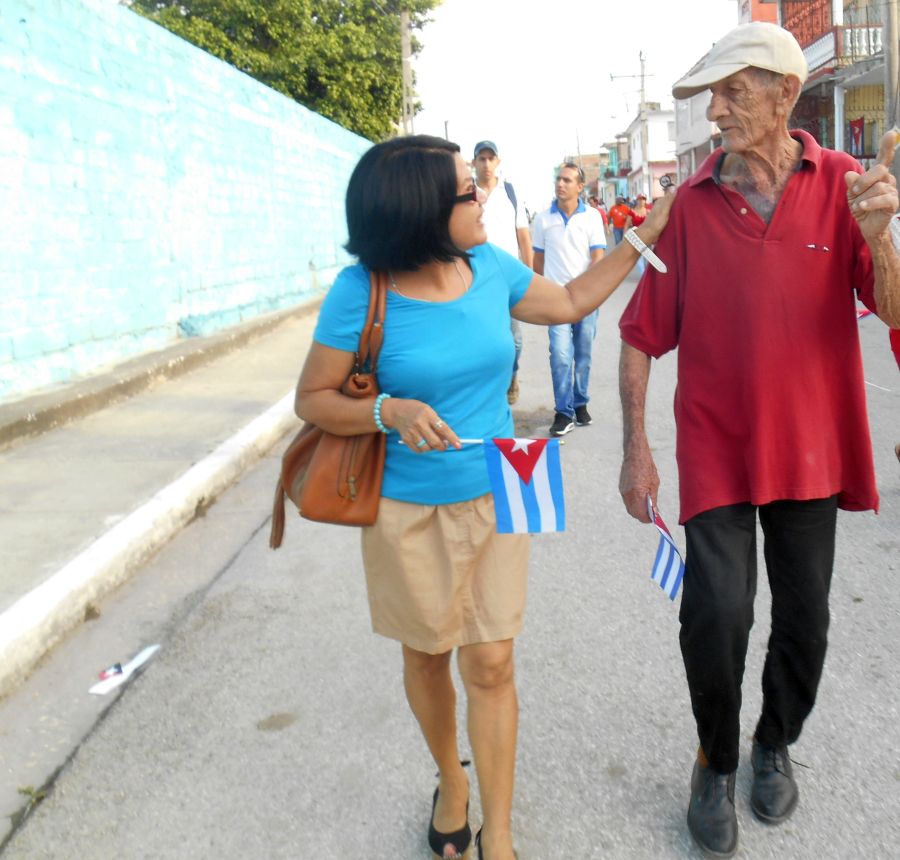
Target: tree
340	58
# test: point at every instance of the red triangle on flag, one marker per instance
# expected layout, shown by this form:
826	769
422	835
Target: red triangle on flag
522	454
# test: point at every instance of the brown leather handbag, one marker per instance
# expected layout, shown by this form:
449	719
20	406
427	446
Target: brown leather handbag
337	479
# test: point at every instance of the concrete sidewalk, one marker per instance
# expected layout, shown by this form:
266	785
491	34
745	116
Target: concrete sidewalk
95	477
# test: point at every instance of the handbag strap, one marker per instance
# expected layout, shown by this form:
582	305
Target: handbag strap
372	335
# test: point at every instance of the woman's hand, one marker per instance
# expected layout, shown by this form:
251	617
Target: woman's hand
419	426
649	232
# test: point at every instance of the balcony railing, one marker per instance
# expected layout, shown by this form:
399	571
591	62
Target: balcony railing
826	45
860	43
808	20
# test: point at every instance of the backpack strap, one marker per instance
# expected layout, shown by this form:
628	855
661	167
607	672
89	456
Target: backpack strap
511	194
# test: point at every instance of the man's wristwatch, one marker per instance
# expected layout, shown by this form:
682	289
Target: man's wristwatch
644	250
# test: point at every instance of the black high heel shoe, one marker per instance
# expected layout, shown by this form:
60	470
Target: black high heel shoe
458	840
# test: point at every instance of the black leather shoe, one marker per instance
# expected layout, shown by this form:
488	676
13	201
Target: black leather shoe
774	795
711	817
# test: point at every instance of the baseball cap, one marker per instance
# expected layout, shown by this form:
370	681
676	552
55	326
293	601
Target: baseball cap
761	45
486	144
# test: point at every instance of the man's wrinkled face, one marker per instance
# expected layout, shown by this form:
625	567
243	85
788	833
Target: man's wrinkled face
745	107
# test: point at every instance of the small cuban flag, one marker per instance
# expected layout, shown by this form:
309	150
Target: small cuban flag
668	568
526	480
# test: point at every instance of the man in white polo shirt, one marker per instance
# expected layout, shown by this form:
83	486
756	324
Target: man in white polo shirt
506	224
569	237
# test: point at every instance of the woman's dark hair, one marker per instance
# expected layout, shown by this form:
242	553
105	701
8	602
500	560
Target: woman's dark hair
399	201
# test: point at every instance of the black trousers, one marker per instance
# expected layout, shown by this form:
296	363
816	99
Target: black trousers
717	614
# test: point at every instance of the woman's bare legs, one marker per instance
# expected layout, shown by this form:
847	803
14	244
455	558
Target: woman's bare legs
488	674
432	698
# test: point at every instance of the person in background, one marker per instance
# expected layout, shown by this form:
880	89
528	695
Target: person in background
568	238
439	577
771	240
618	216
506	223
596	204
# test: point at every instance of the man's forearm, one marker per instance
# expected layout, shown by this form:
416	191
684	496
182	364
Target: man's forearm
886	265
634	373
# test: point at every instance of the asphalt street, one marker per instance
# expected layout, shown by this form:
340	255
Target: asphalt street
272	722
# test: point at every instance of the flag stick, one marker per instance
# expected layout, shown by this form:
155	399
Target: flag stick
462	442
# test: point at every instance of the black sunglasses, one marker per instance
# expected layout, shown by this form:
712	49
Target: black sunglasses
468	197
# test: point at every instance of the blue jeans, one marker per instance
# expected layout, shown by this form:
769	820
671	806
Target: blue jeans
516	328
570	362
618	232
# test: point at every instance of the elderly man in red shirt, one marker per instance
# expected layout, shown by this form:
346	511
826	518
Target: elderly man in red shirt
768	246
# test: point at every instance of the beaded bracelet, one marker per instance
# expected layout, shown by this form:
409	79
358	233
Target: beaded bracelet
376	412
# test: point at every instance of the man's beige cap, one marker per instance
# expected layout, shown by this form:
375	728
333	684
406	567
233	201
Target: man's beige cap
761	45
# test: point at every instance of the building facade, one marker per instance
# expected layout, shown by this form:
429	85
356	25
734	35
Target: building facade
843	102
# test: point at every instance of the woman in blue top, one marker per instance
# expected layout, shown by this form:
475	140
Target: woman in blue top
439	577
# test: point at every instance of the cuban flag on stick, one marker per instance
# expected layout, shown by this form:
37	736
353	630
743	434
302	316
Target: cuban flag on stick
668	568
526	480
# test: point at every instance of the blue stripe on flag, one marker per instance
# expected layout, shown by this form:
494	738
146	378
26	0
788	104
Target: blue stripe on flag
673	591
556	488
532	510
494	460
662	550
670	563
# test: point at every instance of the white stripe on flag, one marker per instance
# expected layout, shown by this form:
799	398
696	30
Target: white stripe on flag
665	559
540	480
514	496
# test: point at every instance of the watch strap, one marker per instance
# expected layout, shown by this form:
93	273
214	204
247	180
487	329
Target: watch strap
645	250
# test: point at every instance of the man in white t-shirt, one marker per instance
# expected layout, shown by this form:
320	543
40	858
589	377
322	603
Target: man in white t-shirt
569	237
506	224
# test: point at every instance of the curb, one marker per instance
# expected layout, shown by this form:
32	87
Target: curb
39	413
36	622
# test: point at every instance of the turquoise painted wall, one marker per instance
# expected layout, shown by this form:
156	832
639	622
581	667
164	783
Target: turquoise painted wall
148	192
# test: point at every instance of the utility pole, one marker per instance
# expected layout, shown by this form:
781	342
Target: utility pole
406	69
891	43
645	159
891	46
642	117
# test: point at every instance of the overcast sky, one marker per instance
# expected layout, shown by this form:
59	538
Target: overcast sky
535	76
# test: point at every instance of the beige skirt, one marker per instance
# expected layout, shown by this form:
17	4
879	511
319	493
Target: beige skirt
439	576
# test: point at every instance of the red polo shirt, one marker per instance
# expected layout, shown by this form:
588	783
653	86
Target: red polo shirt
770	401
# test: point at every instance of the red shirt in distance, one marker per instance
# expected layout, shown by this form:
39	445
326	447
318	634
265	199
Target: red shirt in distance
619	215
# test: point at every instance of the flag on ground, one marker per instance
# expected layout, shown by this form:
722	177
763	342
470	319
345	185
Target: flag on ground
526	480
668	568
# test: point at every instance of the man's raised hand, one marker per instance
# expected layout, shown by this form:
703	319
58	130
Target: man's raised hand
872	196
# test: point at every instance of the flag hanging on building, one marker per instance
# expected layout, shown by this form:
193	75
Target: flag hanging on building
668	568
526	480
857	136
